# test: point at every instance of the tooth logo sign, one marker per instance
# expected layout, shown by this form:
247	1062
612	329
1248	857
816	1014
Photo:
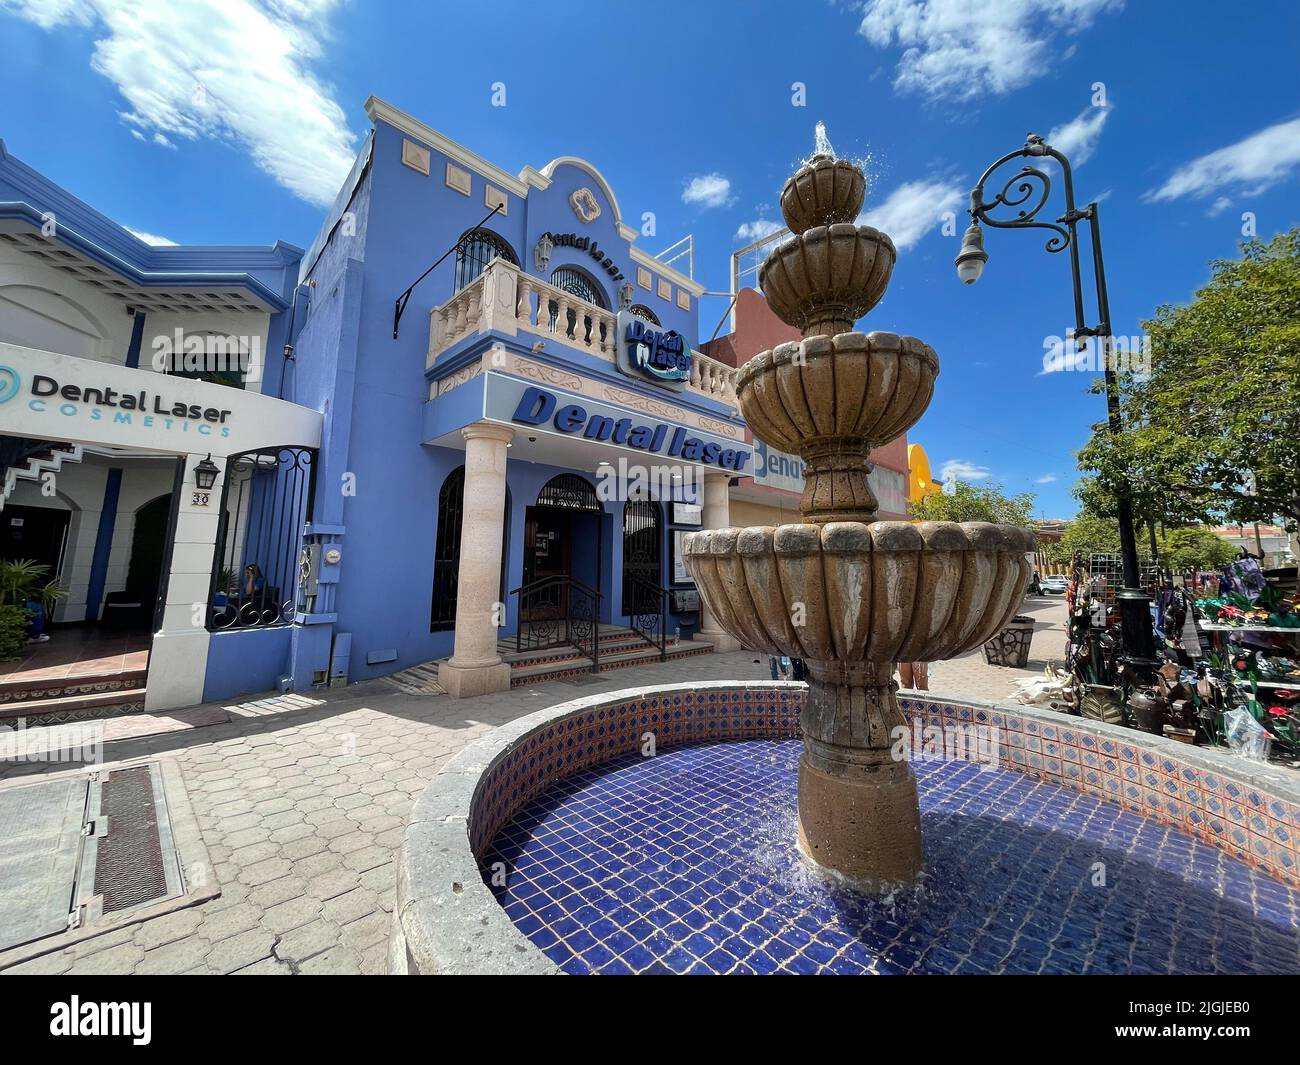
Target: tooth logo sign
9	381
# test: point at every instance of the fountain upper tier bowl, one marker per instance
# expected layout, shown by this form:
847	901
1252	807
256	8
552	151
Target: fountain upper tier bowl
822	192
826	278
888	591
870	387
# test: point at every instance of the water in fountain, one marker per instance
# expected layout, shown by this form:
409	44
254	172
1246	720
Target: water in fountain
822	143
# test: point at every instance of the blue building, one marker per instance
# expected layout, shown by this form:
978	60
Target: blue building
511	460
470	421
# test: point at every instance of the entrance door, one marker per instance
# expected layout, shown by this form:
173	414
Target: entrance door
36	533
548	552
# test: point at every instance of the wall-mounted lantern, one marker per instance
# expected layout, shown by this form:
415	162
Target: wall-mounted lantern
625	294
542	253
205	473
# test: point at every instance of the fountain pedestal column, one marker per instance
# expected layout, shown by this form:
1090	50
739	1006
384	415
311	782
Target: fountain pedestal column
858	808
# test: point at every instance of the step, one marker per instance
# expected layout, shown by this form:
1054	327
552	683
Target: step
15	692
567	652
582	665
71	707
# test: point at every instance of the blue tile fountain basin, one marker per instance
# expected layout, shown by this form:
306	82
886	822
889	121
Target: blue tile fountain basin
652	831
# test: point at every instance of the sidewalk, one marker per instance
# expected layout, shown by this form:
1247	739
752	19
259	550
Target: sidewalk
302	801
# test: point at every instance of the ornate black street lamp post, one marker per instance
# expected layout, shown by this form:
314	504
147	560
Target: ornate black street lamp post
1026	192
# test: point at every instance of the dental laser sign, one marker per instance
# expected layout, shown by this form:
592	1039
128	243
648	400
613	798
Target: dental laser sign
48	396
507	399
650	353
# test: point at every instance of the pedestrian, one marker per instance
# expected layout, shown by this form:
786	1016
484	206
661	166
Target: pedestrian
914	675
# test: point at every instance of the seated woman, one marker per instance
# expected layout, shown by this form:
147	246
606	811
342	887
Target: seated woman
253	581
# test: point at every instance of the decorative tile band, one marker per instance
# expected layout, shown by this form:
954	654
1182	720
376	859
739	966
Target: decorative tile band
447	920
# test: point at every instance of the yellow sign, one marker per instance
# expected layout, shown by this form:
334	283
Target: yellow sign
919	482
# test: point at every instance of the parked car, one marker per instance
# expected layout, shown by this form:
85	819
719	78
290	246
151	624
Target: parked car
1054	585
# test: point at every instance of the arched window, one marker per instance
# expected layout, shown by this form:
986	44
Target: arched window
478	248
579	283
446	550
644	312
583	327
570	492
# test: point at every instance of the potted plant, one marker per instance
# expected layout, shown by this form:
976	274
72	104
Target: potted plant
26	597
225	584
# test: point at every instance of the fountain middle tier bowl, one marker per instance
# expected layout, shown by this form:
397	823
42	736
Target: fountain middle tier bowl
825	279
887	591
865	386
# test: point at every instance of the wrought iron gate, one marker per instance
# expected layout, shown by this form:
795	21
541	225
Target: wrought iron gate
642	555
265	501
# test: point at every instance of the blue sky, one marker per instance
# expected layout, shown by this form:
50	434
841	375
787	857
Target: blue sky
234	122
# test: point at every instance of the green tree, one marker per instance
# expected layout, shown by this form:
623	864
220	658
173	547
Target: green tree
1090	533
1178	549
1213	432
1196	548
970	502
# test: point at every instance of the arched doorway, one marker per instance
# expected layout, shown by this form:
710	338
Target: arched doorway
563	553
446	550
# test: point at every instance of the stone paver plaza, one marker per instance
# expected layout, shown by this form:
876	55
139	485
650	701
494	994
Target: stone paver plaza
302	803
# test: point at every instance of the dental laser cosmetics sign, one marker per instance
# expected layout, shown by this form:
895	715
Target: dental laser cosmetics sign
46	396
550	410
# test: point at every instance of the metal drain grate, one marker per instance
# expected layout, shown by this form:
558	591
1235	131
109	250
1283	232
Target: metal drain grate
129	866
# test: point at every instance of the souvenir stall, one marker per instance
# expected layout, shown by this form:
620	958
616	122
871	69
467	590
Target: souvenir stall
1229	673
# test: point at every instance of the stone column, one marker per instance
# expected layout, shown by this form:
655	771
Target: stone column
179	653
716	515
475	668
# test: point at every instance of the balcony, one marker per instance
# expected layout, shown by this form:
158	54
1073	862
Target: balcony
506	300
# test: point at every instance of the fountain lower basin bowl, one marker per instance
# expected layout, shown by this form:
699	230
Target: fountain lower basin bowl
828	274
887	591
863	386
554	843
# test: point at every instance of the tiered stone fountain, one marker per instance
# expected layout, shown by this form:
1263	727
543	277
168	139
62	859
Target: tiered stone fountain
848	594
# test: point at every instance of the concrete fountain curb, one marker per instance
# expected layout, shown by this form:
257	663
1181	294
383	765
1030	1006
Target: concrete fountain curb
447	921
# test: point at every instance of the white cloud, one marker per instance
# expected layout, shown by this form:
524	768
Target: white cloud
1078	137
914	209
233	70
757	229
961	49
1257	163
961	470
1046	478
707	190
152	238
1220	204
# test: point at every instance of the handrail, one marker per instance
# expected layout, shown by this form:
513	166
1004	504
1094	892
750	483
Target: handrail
660	594
569	621
558	577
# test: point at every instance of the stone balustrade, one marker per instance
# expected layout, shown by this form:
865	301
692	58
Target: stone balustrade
505	299
712	378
